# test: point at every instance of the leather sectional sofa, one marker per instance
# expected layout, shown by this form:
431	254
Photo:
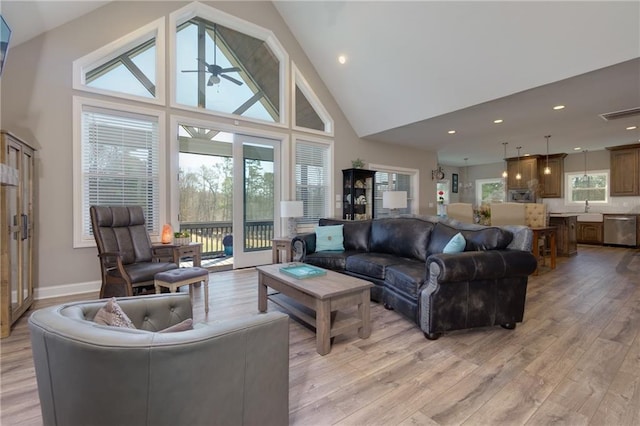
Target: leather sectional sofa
484	285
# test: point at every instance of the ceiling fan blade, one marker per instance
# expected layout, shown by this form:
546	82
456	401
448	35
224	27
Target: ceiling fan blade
234	69
190	71
203	61
238	82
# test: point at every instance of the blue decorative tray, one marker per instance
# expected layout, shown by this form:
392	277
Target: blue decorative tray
302	271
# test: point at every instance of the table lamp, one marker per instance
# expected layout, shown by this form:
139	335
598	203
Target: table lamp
394	200
291	210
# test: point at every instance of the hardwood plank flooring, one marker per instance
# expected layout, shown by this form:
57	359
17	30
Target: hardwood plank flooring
575	360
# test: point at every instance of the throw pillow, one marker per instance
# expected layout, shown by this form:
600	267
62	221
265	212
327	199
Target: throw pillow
112	314
329	238
455	244
181	326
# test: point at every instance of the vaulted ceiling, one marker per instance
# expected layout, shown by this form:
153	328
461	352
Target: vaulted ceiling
416	70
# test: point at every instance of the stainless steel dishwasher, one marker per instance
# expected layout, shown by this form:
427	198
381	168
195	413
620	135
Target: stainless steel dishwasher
620	229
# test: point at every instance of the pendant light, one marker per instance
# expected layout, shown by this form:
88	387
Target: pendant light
505	173
547	170
585	177
519	175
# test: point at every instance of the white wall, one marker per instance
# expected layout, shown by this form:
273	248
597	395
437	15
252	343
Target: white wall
37	100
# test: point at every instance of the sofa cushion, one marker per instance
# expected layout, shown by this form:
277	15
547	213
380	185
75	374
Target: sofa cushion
490	238
334	260
404	237
356	232
406	277
112	314
371	264
456	244
329	238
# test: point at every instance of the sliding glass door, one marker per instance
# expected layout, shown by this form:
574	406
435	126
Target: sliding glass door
227	185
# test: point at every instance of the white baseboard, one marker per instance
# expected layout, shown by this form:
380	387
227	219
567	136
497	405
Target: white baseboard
66	290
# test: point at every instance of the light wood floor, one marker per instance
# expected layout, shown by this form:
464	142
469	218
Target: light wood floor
574	360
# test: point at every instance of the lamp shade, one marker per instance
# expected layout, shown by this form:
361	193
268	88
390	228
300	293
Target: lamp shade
394	199
167	234
291	209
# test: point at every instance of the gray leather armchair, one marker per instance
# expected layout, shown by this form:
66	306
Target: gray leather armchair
127	258
227	373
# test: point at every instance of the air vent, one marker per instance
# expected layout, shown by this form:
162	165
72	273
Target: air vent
625	113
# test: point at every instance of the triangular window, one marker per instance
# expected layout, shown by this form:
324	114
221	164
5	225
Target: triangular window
309	113
129	67
226	65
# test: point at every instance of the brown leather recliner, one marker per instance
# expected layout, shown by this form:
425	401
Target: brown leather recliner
127	258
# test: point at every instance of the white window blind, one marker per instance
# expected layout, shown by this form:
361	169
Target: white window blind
312	179
120	164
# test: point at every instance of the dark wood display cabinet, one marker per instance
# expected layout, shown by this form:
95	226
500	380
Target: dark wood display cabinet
357	198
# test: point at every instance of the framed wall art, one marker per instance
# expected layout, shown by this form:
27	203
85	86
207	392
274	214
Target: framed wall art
454	183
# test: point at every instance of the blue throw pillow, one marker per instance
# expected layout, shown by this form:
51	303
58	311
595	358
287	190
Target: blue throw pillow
329	238
455	245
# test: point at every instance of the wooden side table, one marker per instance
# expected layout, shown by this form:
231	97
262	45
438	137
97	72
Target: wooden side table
193	250
282	245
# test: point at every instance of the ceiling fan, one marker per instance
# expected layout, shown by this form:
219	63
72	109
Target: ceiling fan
216	70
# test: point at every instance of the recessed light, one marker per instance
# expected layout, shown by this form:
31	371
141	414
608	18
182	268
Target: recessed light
577	148
558	107
498	121
342	59
632	127
451	132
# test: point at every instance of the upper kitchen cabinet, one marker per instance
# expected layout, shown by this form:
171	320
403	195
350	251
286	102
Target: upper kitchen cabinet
528	169
625	170
551	185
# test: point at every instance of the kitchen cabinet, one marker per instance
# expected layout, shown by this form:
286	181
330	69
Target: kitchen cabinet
567	238
625	170
16	236
551	185
589	232
528	168
357	200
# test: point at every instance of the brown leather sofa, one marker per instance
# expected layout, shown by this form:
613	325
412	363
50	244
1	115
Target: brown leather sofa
483	286
228	373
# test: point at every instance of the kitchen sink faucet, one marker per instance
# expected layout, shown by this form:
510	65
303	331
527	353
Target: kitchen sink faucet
586	206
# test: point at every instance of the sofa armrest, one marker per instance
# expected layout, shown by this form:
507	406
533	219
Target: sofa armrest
480	265
304	242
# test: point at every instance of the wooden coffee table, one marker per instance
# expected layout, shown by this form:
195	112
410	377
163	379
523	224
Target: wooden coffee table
322	295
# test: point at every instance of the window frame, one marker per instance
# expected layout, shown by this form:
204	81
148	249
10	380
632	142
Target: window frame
111	51
413	197
478	192
329	146
209	13
80	238
568	190
298	80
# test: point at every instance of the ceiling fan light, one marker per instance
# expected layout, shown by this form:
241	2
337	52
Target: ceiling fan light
214	79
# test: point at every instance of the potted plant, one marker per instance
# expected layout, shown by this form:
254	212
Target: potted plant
181	238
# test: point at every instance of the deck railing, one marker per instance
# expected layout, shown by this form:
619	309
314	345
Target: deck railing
257	235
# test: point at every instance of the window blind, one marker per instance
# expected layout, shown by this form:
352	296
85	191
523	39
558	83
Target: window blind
312	179
120	163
